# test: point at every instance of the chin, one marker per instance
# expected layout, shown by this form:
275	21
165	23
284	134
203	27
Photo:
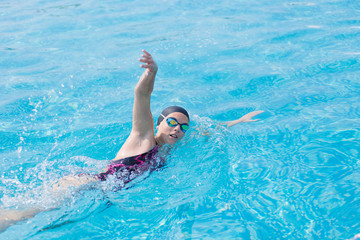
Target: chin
173	141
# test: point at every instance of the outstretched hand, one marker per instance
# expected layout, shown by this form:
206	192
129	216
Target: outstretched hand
246	118
150	64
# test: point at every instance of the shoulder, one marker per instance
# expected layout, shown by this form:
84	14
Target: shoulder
136	144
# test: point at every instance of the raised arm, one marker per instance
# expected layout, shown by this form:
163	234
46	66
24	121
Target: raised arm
246	118
142	118
141	138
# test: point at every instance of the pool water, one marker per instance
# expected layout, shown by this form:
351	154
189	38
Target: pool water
68	70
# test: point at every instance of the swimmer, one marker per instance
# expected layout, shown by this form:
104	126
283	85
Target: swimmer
139	152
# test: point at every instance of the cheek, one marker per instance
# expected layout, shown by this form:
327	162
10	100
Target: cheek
181	134
163	128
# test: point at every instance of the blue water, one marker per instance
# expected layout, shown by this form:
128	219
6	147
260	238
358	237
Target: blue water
67	73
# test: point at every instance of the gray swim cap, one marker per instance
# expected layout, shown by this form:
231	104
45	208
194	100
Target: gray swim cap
172	109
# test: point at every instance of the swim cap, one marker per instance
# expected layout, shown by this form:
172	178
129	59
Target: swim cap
172	109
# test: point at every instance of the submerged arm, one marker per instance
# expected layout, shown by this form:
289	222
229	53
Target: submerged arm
10	217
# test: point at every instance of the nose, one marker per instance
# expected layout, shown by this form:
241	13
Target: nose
177	128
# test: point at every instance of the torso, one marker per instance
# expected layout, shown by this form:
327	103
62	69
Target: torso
127	169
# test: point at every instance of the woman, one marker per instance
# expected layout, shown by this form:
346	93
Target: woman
139	152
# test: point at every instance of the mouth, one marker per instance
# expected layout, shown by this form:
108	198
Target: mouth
173	136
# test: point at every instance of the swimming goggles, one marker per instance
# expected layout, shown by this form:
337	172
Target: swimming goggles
172	122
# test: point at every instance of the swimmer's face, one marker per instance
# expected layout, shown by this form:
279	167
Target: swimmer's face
168	134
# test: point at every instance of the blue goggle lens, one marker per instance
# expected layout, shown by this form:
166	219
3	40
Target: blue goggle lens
172	122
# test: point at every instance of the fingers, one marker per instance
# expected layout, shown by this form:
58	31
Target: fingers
148	54
145	66
150	64
150	67
248	117
146	58
254	113
259	111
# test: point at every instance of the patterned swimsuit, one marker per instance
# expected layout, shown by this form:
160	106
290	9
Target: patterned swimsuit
127	169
